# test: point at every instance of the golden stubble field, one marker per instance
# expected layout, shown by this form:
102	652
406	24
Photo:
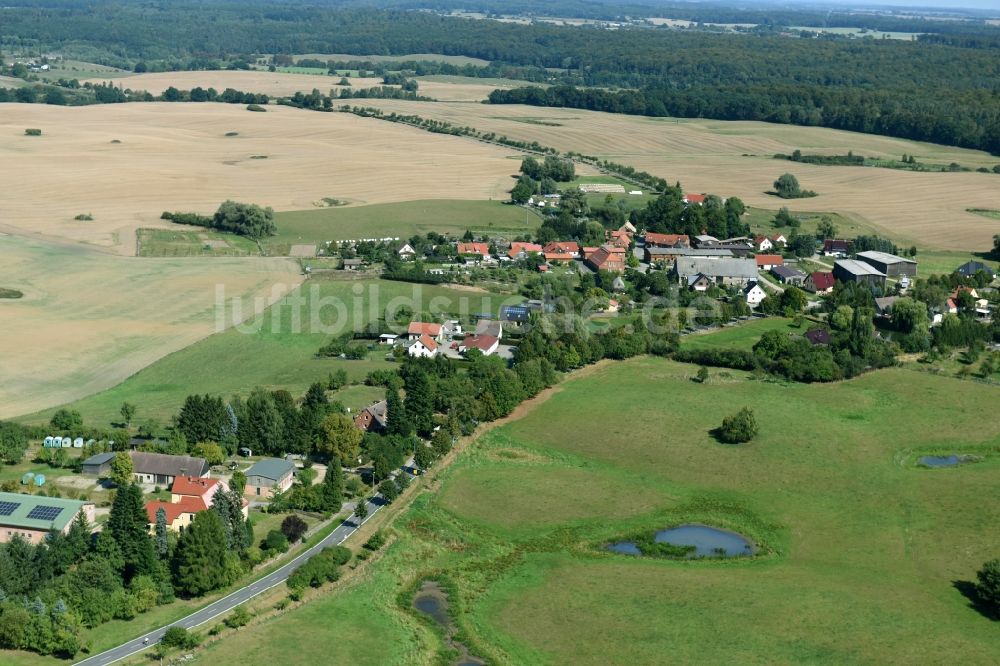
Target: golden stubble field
928	209
89	319
178	157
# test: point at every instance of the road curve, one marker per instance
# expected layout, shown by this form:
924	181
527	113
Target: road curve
234	599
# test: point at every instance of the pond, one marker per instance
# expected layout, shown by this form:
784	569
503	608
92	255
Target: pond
432	601
945	461
699	540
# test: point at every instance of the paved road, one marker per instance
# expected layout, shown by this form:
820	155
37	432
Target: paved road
231	601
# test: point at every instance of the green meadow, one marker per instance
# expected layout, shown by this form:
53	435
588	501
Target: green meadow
404	219
274	352
743	336
863	554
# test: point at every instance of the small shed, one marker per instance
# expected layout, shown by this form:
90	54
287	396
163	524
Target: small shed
66	442
27	479
78	443
47	442
39	480
245	452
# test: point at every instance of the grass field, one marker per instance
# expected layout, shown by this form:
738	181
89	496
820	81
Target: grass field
169	243
401	220
88	320
760	220
861	549
744	336
274	355
735	159
178	157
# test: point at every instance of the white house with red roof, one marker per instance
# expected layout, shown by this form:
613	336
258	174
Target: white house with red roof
766	262
417	329
424	347
189	495
487	344
763	244
698	199
519	250
481	249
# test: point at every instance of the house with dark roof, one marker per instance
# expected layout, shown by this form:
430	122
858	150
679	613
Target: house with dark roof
162	469
268	477
372	418
490	327
722	271
98	465
33	517
835	247
970	268
788	275
669	254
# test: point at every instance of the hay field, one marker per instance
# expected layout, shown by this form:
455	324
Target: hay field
270	83
177	157
463	88
927	209
89	320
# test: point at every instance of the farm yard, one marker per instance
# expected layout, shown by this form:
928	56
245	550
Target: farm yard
178	157
735	159
866	550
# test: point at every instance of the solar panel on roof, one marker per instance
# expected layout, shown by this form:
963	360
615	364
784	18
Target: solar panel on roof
7	508
44	512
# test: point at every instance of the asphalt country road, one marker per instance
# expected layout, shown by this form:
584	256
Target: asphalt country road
234	599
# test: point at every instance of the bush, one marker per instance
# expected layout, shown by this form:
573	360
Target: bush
179	637
322	568
32	131
238	618
256	107
376	541
739	428
275	542
988	587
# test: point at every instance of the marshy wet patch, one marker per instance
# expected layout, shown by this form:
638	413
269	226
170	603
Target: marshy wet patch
689	541
952	460
432	600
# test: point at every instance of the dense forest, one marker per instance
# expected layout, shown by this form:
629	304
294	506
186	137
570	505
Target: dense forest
941	92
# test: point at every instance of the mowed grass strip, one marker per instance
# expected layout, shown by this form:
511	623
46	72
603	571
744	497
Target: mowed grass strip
743	336
276	353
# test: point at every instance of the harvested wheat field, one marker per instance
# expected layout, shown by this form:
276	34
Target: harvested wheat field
179	157
462	88
270	83
89	320
928	209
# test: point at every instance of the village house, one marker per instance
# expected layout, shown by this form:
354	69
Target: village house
268	477
487	344
699	282
788	275
668	254
423	347
473	249
352	264
836	248
762	244
754	294
883	306
490	327
820	282
406	252
559	257
970	268
417	329
161	469
766	262
520	250
620	239
704	240
607	258
561	247
694	199
33	517
188	496
373	417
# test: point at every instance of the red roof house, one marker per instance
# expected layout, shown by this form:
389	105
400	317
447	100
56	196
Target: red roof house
482	249
667	240
570	247
768	261
820	282
519	250
607	258
485	343
419	328
694	199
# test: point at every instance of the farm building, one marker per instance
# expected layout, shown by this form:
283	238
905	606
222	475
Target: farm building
722	271
98	465
850	270
353	264
667	240
269	476
417	329
789	275
607	258
836	248
766	262
32	517
667	254
889	264
161	469
372	418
